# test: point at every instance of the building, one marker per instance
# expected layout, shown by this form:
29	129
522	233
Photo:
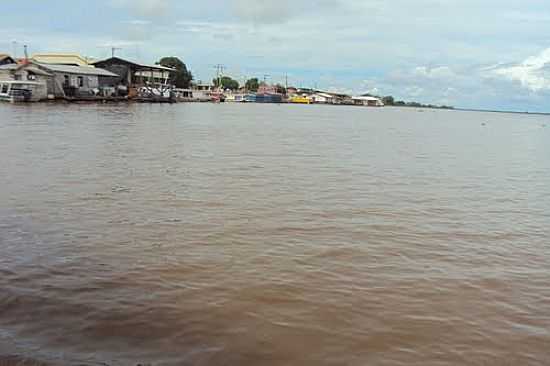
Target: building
80	81
291	91
368	101
323	98
202	92
19	82
62	80
6	59
68	59
133	74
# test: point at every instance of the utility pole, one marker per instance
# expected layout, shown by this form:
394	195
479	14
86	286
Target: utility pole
14	48
219	72
286	81
26	53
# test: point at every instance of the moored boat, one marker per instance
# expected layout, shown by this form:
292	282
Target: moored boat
22	91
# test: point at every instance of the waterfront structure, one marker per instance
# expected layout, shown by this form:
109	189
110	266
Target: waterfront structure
68	59
61	81
135	74
80	81
23	83
6	59
368	101
22	91
140	81
202	92
183	95
323	98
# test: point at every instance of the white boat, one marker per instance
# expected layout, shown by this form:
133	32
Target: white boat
237	98
22	91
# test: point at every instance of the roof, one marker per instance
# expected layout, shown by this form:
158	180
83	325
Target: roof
21	82
134	64
29	67
366	98
325	95
81	70
4	56
60	58
8	66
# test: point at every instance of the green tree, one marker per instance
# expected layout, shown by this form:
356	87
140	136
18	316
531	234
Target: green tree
182	77
388	100
252	84
226	83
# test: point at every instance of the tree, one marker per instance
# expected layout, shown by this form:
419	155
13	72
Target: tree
388	100
252	84
182	77
226	83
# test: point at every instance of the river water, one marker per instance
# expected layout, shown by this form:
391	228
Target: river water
200	234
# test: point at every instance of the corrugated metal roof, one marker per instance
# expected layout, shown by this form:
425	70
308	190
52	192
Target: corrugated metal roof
81	70
4	56
8	67
60	58
30	67
135	64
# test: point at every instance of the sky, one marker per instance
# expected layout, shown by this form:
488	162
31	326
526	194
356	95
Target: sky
467	53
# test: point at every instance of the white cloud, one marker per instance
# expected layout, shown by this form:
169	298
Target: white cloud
533	73
144	8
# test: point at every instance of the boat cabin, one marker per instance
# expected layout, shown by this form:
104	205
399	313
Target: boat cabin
22	91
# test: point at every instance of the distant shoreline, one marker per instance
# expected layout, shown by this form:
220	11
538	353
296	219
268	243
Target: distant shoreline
497	111
317	104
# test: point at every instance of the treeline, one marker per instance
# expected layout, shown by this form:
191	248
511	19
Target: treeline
389	100
183	77
251	85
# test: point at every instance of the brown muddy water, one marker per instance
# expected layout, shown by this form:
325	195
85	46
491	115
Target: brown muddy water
203	234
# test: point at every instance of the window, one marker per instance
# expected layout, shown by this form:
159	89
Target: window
66	81
80	82
31	76
4	88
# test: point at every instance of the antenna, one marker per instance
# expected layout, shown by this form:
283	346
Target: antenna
219	72
113	50
14	48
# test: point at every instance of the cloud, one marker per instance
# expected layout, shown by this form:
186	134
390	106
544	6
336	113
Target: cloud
144	8
265	11
435	73
533	73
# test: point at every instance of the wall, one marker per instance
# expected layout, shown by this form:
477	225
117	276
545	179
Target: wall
89	81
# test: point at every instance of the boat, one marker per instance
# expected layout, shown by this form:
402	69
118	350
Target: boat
269	98
22	91
249	98
235	98
297	99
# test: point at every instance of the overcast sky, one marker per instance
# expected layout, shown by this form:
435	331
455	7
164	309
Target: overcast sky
467	53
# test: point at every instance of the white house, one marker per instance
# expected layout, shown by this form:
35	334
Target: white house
323	98
368	101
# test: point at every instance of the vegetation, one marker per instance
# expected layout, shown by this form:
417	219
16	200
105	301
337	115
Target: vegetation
252	84
226	83
182	77
390	101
